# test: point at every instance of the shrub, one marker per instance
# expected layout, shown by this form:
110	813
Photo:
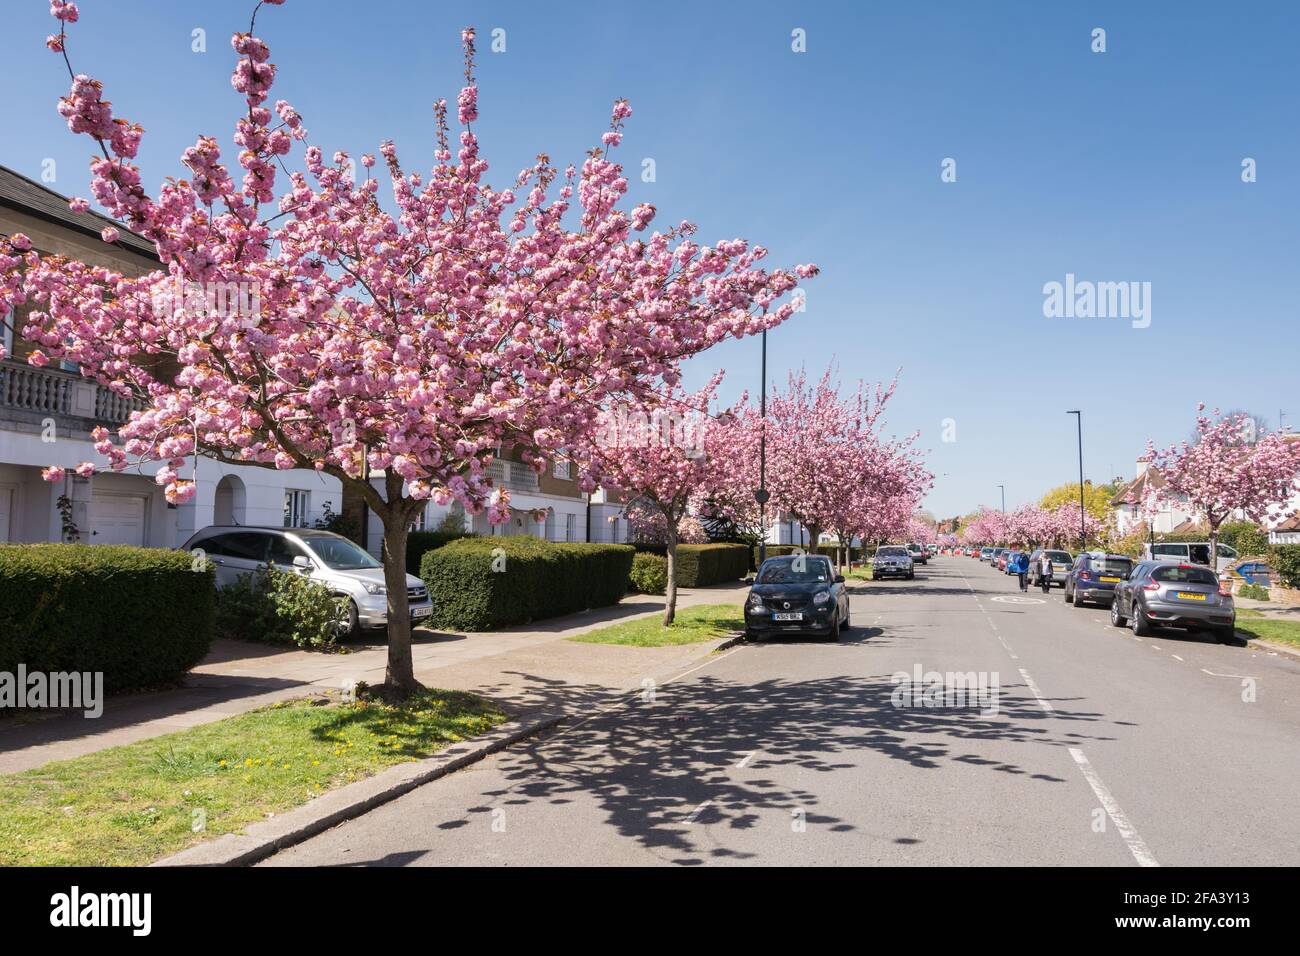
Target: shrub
142	616
1249	539
279	607
1284	560
649	573
1253	591
702	564
480	583
420	543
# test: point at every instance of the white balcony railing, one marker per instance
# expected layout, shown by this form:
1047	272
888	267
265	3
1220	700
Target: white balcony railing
513	475
47	391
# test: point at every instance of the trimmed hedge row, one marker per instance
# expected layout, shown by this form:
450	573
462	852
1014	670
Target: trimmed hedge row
142	616
703	564
830	550
1284	560
418	543
476	587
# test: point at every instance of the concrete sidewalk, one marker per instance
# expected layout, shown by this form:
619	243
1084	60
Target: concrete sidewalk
523	668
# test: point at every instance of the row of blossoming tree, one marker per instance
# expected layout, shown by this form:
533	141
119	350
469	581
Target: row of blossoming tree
404	337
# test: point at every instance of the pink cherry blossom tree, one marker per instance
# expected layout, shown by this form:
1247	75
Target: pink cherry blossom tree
669	454
407	339
1219	473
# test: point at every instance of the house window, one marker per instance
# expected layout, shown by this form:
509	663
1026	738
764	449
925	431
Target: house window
7	334
570	527
561	470
296	504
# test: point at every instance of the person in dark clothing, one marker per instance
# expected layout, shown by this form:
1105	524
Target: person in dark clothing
1045	572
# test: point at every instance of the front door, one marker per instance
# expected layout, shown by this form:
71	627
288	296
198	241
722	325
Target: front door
6	511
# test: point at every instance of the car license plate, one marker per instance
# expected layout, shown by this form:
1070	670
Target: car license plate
788	616
1110	580
419	612
1190	596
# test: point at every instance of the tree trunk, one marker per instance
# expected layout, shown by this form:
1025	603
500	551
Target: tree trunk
814	538
400	673
670	592
1214	549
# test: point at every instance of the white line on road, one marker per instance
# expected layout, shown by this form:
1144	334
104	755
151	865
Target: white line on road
749	755
1175	657
1042	701
1237	676
690	820
1135	843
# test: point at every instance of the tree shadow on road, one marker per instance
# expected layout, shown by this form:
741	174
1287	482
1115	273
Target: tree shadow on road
667	764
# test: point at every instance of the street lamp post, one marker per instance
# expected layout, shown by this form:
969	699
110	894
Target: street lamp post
761	494
1003	489
1083	533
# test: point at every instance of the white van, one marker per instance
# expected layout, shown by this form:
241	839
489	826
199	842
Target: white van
1189	552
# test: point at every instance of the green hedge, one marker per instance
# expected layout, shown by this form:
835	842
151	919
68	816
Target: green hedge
419	543
830	550
474	587
1284	561
142	616
702	564
649	573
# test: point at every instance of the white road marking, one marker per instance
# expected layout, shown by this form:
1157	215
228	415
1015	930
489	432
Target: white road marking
1236	676
749	755
690	820
1141	852
1042	701
1175	657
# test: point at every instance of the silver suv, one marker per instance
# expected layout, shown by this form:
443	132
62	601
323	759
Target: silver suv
1179	595
343	567
892	559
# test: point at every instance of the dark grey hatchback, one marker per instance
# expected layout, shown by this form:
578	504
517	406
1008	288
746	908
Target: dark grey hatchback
797	594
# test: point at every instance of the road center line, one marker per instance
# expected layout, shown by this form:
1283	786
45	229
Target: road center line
1042	701
1141	852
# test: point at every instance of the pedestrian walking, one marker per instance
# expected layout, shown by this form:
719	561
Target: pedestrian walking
1045	571
1022	569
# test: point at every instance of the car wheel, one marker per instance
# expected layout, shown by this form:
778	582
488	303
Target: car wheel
349	621
1116	618
911	575
1069	598
752	637
1226	635
1141	626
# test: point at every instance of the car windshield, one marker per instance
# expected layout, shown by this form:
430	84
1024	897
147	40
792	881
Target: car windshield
340	553
1060	556
1184	575
891	552
783	571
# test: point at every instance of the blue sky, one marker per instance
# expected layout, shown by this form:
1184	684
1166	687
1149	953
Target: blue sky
1118	166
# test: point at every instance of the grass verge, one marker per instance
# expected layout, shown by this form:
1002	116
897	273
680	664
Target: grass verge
703	622
128	806
1256	625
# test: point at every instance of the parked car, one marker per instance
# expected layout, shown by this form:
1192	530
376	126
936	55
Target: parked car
1061	564
1000	558
986	554
893	561
994	555
1167	593
343	567
1008	560
797	594
1095	576
1189	552
919	553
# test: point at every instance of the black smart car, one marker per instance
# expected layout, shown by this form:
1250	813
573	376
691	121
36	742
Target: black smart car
1095	576
797	594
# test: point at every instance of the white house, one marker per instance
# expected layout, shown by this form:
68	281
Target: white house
46	415
1127	503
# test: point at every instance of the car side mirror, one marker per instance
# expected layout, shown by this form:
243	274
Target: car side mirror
302	562
839	579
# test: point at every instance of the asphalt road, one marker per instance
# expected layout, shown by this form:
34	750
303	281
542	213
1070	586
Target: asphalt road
1099	748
